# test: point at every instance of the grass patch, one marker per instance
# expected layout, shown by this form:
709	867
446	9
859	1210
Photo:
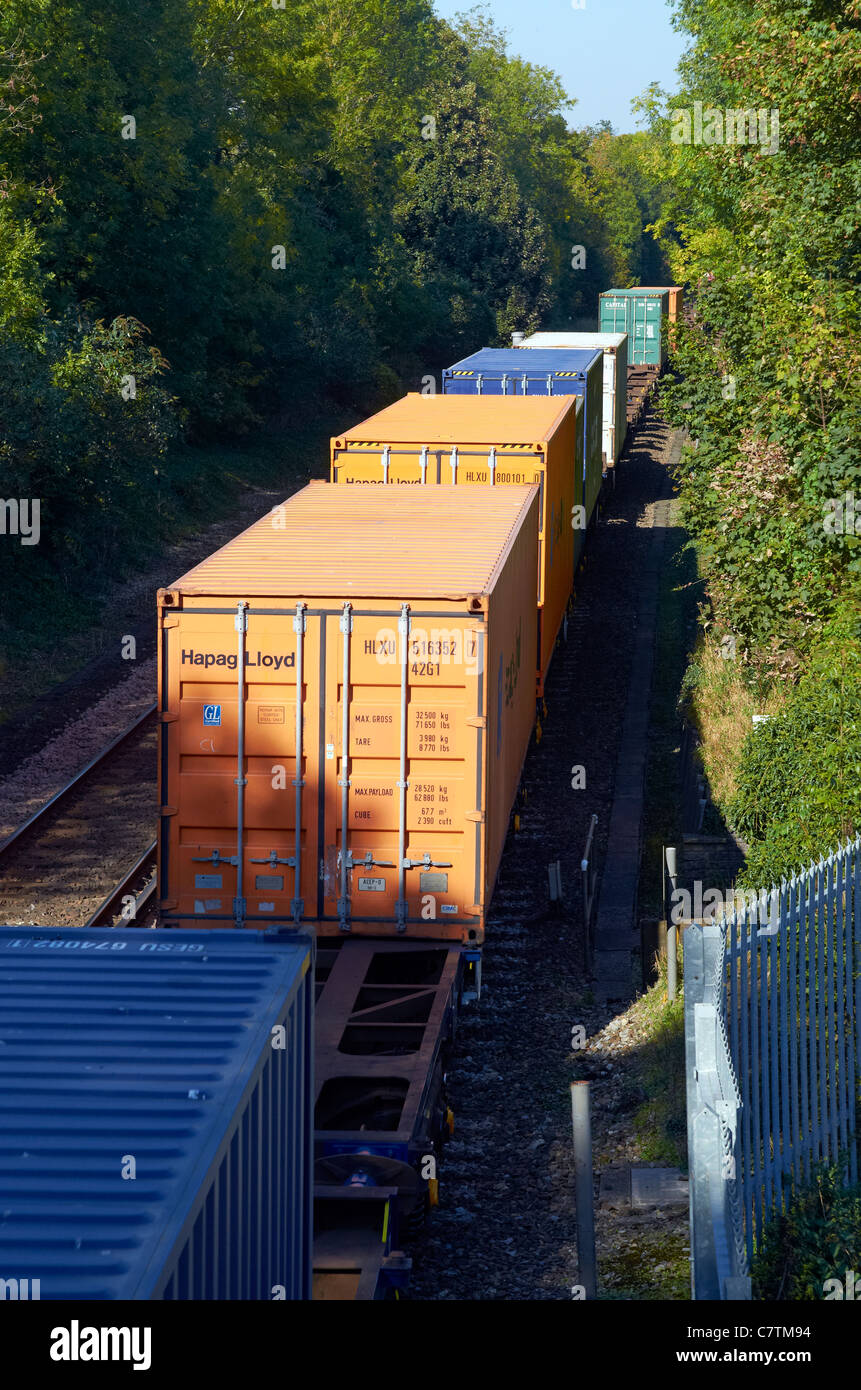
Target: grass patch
656	1083
654	1267
818	1238
721	703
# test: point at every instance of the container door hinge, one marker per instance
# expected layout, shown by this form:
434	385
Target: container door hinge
476	816
477	721
168	810
165	717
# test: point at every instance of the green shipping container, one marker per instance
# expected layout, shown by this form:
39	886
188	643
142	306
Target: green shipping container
639	313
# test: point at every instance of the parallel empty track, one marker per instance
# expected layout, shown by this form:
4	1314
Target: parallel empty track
73	861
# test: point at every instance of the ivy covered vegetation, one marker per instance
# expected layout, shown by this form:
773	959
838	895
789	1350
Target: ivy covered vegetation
217	216
808	1251
770	389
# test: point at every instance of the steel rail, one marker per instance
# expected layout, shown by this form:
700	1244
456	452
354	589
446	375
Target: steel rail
64	791
108	909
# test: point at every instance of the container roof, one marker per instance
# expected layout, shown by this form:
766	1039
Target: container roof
499	361
123	1042
372	541
640	289
529	421
574	340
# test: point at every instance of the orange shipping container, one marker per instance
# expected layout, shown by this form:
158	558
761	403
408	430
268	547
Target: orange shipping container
485	441
346	702
675	297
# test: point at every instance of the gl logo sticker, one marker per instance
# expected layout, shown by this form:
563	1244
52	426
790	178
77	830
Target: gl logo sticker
212	716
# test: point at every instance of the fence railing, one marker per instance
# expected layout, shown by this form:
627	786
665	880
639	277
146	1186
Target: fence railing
773	1051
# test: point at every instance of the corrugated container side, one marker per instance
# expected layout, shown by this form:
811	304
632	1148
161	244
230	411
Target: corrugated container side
593	462
614	409
157	1097
502	371
378	748
639	312
675	296
467	440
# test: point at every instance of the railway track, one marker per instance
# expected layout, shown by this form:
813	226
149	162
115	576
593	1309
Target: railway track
77	861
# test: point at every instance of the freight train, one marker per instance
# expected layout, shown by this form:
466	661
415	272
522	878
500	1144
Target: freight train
347	694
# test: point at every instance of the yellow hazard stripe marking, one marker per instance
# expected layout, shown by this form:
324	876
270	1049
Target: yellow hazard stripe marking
435	448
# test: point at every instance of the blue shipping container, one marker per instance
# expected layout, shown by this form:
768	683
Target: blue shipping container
156	1108
549	372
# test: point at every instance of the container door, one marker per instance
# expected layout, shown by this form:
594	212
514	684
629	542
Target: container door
652	329
609	409
638	328
401	788
615	313
237	845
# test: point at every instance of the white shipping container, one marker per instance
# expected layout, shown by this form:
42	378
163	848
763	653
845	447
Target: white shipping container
615	349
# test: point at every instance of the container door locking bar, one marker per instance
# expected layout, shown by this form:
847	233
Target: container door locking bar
297	906
344	780
240	622
404	630
215	858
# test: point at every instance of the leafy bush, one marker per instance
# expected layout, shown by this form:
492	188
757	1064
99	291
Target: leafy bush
818	1238
799	780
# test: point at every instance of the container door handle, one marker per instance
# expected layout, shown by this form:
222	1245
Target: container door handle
368	862
427	863
273	860
215	858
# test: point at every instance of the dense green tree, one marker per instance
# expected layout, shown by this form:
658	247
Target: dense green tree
770	243
246	206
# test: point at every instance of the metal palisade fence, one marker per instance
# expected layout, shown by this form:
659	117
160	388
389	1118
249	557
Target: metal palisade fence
773	1053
